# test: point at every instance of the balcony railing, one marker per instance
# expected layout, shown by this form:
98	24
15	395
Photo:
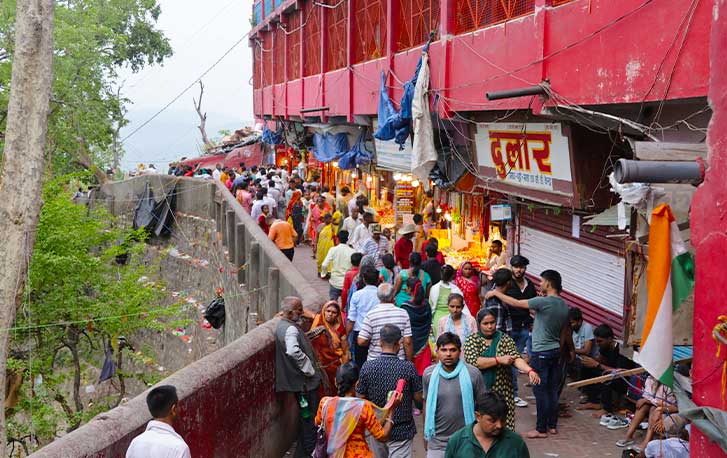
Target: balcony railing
278	45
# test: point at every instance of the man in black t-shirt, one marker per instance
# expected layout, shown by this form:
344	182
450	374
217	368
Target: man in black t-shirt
522	289
609	360
431	265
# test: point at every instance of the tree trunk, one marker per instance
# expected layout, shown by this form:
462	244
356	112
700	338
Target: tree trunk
22	167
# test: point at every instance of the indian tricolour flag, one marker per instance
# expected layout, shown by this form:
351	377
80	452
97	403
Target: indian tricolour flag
669	280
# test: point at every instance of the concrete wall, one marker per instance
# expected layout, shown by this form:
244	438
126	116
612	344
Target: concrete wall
228	408
228	404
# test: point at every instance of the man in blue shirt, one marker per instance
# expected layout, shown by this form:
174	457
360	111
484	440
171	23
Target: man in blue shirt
362	301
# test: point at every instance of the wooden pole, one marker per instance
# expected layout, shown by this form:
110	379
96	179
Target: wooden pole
624	373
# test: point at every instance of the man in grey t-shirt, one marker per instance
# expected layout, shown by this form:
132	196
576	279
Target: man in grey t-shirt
551	315
449	416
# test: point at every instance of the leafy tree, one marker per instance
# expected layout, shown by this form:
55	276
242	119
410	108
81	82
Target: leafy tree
88	289
94	39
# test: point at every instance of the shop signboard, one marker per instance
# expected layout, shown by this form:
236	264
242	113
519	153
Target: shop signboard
404	203
501	212
532	160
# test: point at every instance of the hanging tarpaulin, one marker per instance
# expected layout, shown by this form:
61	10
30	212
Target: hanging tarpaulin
270	137
359	155
425	155
329	147
396	125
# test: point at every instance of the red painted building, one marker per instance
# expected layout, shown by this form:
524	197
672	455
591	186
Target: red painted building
615	72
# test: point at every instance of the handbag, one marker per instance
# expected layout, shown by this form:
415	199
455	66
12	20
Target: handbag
321	449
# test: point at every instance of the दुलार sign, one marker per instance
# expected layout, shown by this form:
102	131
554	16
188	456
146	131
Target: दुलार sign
524	155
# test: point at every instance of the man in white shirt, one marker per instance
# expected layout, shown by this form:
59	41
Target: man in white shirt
339	257
361	233
351	222
385	313
160	439
217	172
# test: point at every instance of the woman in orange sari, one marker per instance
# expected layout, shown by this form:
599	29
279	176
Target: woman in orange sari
346	418
328	337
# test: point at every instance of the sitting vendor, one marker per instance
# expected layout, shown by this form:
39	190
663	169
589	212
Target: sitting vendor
497	256
609	361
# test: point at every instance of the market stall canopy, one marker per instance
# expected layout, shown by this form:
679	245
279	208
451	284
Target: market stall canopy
608	217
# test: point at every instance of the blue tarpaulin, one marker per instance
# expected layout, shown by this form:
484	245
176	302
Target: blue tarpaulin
357	156
396	125
329	147
272	138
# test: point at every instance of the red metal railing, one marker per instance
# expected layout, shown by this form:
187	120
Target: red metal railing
417	18
266	42
336	21
559	2
279	56
293	46
312	43
370	37
475	14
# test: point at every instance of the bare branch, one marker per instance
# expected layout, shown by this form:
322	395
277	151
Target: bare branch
202	117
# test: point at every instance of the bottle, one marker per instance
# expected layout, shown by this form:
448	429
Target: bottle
304	407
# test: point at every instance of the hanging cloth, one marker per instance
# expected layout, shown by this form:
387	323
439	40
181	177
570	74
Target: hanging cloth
424	156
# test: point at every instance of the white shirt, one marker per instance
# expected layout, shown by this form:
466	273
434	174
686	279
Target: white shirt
158	441
349	225
216	174
339	257
360	235
293	350
375	319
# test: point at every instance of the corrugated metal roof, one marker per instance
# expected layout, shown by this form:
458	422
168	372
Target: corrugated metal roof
608	217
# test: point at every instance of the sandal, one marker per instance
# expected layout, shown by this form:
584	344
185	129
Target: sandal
624	443
535	434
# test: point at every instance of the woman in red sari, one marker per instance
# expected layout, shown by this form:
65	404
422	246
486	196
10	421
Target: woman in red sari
328	337
469	283
317	210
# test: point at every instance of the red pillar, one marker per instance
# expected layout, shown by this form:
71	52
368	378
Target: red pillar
709	237
446	32
392	34
350	33
301	60
325	40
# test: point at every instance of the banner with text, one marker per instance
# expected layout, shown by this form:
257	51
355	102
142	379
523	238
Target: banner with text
534	155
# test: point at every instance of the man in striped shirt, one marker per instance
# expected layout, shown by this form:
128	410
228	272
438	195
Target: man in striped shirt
385	313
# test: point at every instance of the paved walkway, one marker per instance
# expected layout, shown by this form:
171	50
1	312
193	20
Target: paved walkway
303	260
579	436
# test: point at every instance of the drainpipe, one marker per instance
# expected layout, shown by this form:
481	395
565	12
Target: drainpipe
520	92
628	171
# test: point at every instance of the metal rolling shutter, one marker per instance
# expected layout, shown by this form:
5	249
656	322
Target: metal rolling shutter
594	275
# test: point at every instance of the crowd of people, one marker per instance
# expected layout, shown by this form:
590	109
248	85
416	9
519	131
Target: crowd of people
459	339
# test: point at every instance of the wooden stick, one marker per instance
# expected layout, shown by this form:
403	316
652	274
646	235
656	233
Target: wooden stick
624	373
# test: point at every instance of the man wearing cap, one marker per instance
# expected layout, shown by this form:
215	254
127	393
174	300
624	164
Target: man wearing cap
520	288
372	246
404	246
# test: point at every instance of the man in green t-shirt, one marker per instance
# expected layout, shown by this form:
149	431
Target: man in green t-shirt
551	314
487	437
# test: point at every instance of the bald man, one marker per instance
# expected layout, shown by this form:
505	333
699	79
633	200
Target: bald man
295	371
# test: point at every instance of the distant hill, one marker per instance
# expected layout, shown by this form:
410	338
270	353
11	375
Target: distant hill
170	136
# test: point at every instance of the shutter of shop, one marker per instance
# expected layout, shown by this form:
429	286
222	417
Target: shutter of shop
591	277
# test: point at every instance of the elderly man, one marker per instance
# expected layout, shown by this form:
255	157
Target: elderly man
385	313
295	371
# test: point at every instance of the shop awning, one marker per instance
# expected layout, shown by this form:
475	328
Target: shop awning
608	217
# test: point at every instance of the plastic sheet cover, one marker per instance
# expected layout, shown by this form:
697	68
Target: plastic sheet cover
329	147
359	155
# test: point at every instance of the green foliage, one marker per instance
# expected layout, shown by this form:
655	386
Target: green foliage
93	40
79	298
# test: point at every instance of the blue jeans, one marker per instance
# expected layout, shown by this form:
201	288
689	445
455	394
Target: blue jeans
547	365
520	336
333	293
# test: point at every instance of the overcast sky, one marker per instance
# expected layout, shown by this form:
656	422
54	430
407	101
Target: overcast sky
200	33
